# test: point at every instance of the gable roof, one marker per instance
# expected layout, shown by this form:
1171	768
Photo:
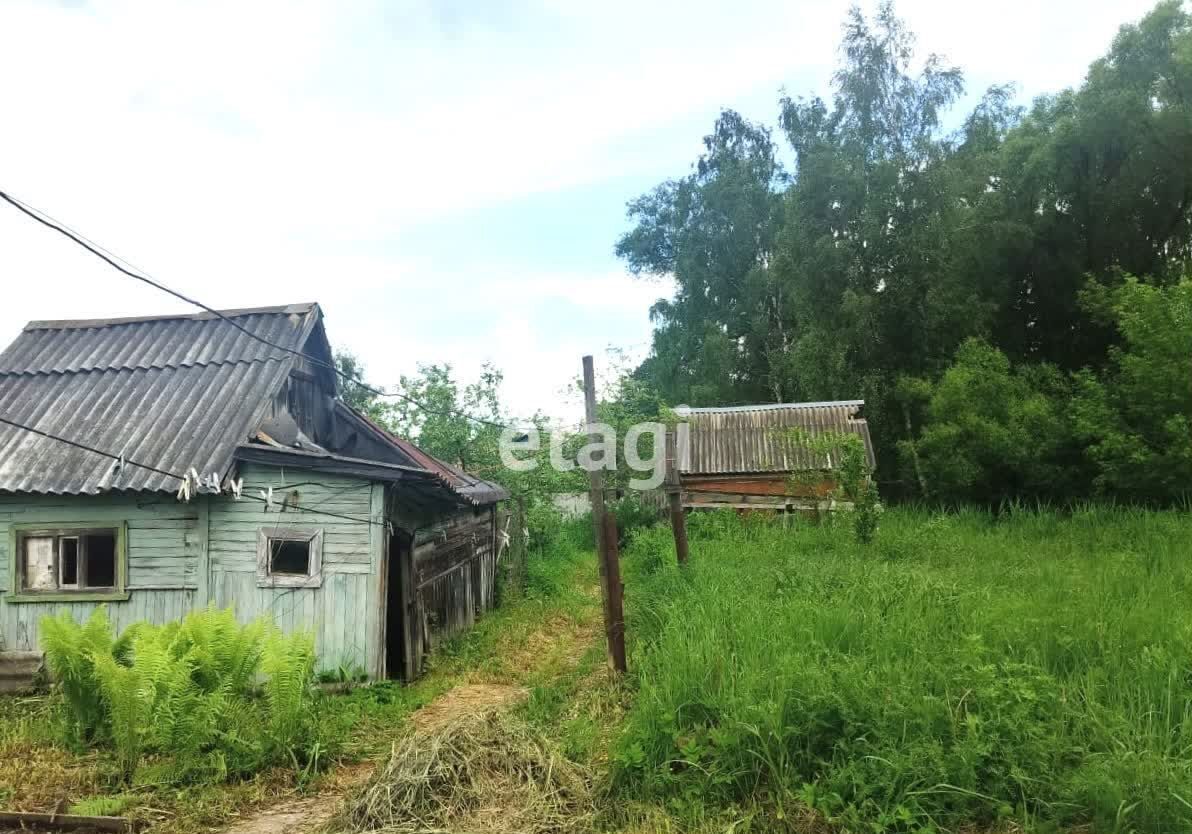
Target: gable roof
171	391
177	392
744	439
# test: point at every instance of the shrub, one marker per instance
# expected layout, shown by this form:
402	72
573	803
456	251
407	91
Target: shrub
1134	415
182	701
994	431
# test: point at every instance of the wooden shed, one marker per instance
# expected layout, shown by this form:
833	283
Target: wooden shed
296	506
757	456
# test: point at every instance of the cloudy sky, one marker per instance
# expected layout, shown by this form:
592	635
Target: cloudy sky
446	179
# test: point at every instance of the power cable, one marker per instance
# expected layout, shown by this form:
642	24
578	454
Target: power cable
95	249
157	470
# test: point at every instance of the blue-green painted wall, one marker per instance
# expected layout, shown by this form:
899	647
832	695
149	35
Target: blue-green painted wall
182	555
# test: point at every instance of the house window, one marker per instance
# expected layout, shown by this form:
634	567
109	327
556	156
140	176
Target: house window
289	557
68	560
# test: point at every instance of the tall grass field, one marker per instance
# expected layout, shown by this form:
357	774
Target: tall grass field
962	672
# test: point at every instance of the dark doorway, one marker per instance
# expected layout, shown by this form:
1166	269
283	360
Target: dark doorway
395	608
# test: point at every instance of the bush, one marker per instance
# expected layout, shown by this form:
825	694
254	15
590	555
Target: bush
995	432
200	700
1134	416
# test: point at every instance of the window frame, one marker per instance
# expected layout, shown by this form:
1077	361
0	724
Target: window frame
17	533
310	535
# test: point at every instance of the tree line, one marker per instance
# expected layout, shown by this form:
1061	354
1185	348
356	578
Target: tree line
1007	288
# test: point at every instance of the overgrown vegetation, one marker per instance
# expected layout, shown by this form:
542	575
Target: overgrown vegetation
963	671
970	283
48	761
843	455
200	700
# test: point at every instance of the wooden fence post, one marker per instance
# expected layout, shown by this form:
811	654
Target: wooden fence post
606	553
520	545
674	496
616	597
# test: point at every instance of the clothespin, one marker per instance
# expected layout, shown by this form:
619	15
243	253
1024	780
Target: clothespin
267	497
236	485
184	489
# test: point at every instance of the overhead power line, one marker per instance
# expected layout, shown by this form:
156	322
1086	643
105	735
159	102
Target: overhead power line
110	259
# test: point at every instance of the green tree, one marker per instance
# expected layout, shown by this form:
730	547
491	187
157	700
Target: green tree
459	424
996	432
891	241
353	390
713	231
1136	417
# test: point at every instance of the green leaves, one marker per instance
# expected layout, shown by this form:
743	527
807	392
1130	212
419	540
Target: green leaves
891	242
178	702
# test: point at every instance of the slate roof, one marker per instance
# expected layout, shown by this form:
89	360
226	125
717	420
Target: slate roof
173	392
745	439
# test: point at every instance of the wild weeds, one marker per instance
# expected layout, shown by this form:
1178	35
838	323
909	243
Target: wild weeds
1031	669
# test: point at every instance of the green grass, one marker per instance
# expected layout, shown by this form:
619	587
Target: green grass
959	672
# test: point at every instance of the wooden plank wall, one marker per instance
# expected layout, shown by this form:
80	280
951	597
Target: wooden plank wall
181	556
454	576
344	612
764	491
165	545
170	545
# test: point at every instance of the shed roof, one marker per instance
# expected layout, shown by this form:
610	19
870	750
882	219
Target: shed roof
475	490
174	392
745	439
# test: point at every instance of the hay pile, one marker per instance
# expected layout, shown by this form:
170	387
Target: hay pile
487	772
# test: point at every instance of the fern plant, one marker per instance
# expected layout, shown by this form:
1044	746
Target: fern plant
70	650
289	666
181	702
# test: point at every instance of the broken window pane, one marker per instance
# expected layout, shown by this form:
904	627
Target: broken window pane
68	561
99	560
39	563
289	557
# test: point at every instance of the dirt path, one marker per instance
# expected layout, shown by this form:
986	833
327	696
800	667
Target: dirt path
559	642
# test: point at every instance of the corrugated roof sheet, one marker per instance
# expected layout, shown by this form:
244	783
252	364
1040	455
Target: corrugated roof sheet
757	438
173	392
168	342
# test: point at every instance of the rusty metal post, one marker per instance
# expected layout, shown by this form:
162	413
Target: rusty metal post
603	553
616	597
674	496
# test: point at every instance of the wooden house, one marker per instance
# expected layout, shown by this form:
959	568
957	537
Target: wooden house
759	456
239	480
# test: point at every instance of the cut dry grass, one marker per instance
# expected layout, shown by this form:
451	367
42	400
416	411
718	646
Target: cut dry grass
486	772
464	701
